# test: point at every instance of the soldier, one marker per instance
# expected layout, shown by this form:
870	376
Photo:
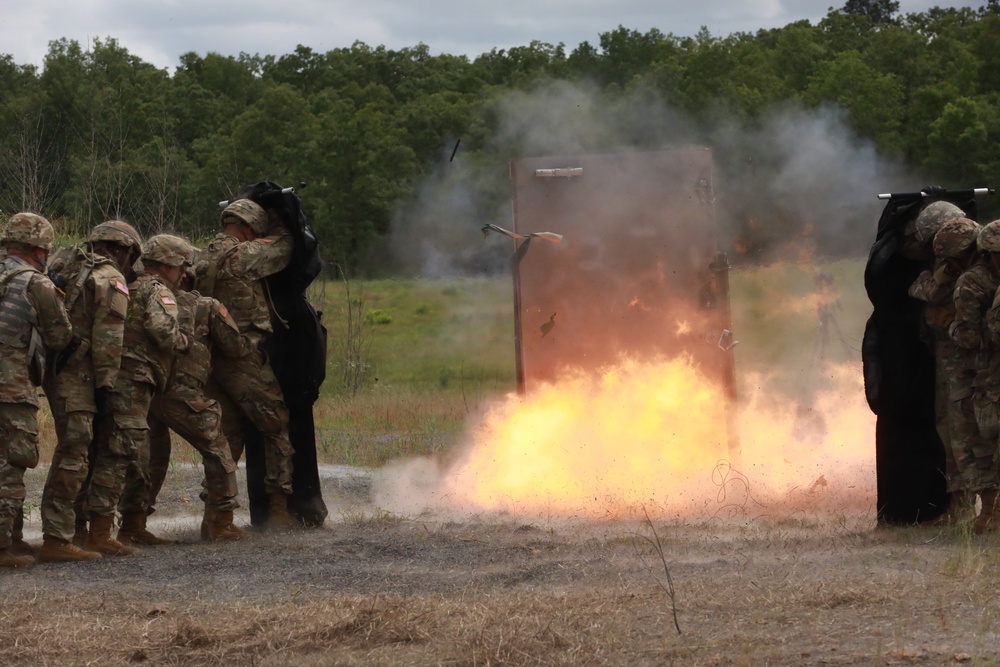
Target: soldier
152	337
986	385
936	287
184	408
97	301
955	249
232	269
32	319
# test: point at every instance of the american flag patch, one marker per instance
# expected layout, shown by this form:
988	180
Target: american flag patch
121	287
168	301
223	311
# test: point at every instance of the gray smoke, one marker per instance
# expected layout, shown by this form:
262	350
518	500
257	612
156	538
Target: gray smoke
799	178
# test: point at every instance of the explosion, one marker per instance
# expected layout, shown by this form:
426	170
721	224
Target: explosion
652	438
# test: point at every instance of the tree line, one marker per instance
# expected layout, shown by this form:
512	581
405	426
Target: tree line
96	133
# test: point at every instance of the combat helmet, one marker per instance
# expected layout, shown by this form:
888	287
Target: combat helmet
250	212
932	217
167	249
29	229
954	237
118	232
989	237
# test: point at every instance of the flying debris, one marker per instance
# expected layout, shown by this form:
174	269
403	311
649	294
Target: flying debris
548	326
550	236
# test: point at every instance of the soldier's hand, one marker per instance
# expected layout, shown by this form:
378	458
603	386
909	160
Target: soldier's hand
57	280
64	354
102	399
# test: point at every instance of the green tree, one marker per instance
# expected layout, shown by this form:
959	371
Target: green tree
879	12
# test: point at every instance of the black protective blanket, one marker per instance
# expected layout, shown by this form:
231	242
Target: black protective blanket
899	370
297	352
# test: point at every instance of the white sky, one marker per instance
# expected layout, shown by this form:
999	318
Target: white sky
160	32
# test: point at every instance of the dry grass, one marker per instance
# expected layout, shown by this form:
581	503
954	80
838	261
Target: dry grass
502	593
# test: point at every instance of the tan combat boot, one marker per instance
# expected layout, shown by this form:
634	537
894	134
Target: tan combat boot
22	548
218	527
100	539
988	521
133	530
56	550
7	559
80	533
278	517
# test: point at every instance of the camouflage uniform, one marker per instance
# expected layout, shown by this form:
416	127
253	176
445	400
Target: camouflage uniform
97	301
986	386
232	271
185	408
974	385
954	245
937	289
32	319
152	338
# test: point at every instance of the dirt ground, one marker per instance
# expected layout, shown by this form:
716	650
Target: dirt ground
372	588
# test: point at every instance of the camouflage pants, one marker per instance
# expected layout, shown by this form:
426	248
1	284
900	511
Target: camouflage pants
188	412
972	452
119	441
18	451
251	397
986	405
74	433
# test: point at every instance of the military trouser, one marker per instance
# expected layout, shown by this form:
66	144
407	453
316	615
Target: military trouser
250	395
120	441
986	405
74	424
185	409
18	451
973	453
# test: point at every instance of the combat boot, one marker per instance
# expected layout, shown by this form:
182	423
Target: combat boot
56	550
80	533
7	559
100	539
217	526
22	548
988	521
133	530
278	517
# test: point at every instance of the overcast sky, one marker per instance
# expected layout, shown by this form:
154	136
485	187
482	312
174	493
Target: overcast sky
160	32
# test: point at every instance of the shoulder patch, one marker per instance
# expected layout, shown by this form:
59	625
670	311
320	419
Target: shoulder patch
121	287
266	240
168	300
223	310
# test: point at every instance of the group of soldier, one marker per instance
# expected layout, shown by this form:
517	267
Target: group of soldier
962	324
125	349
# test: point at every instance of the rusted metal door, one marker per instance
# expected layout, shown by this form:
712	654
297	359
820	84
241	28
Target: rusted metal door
637	271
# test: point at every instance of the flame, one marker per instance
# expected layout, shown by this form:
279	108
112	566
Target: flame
652	438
